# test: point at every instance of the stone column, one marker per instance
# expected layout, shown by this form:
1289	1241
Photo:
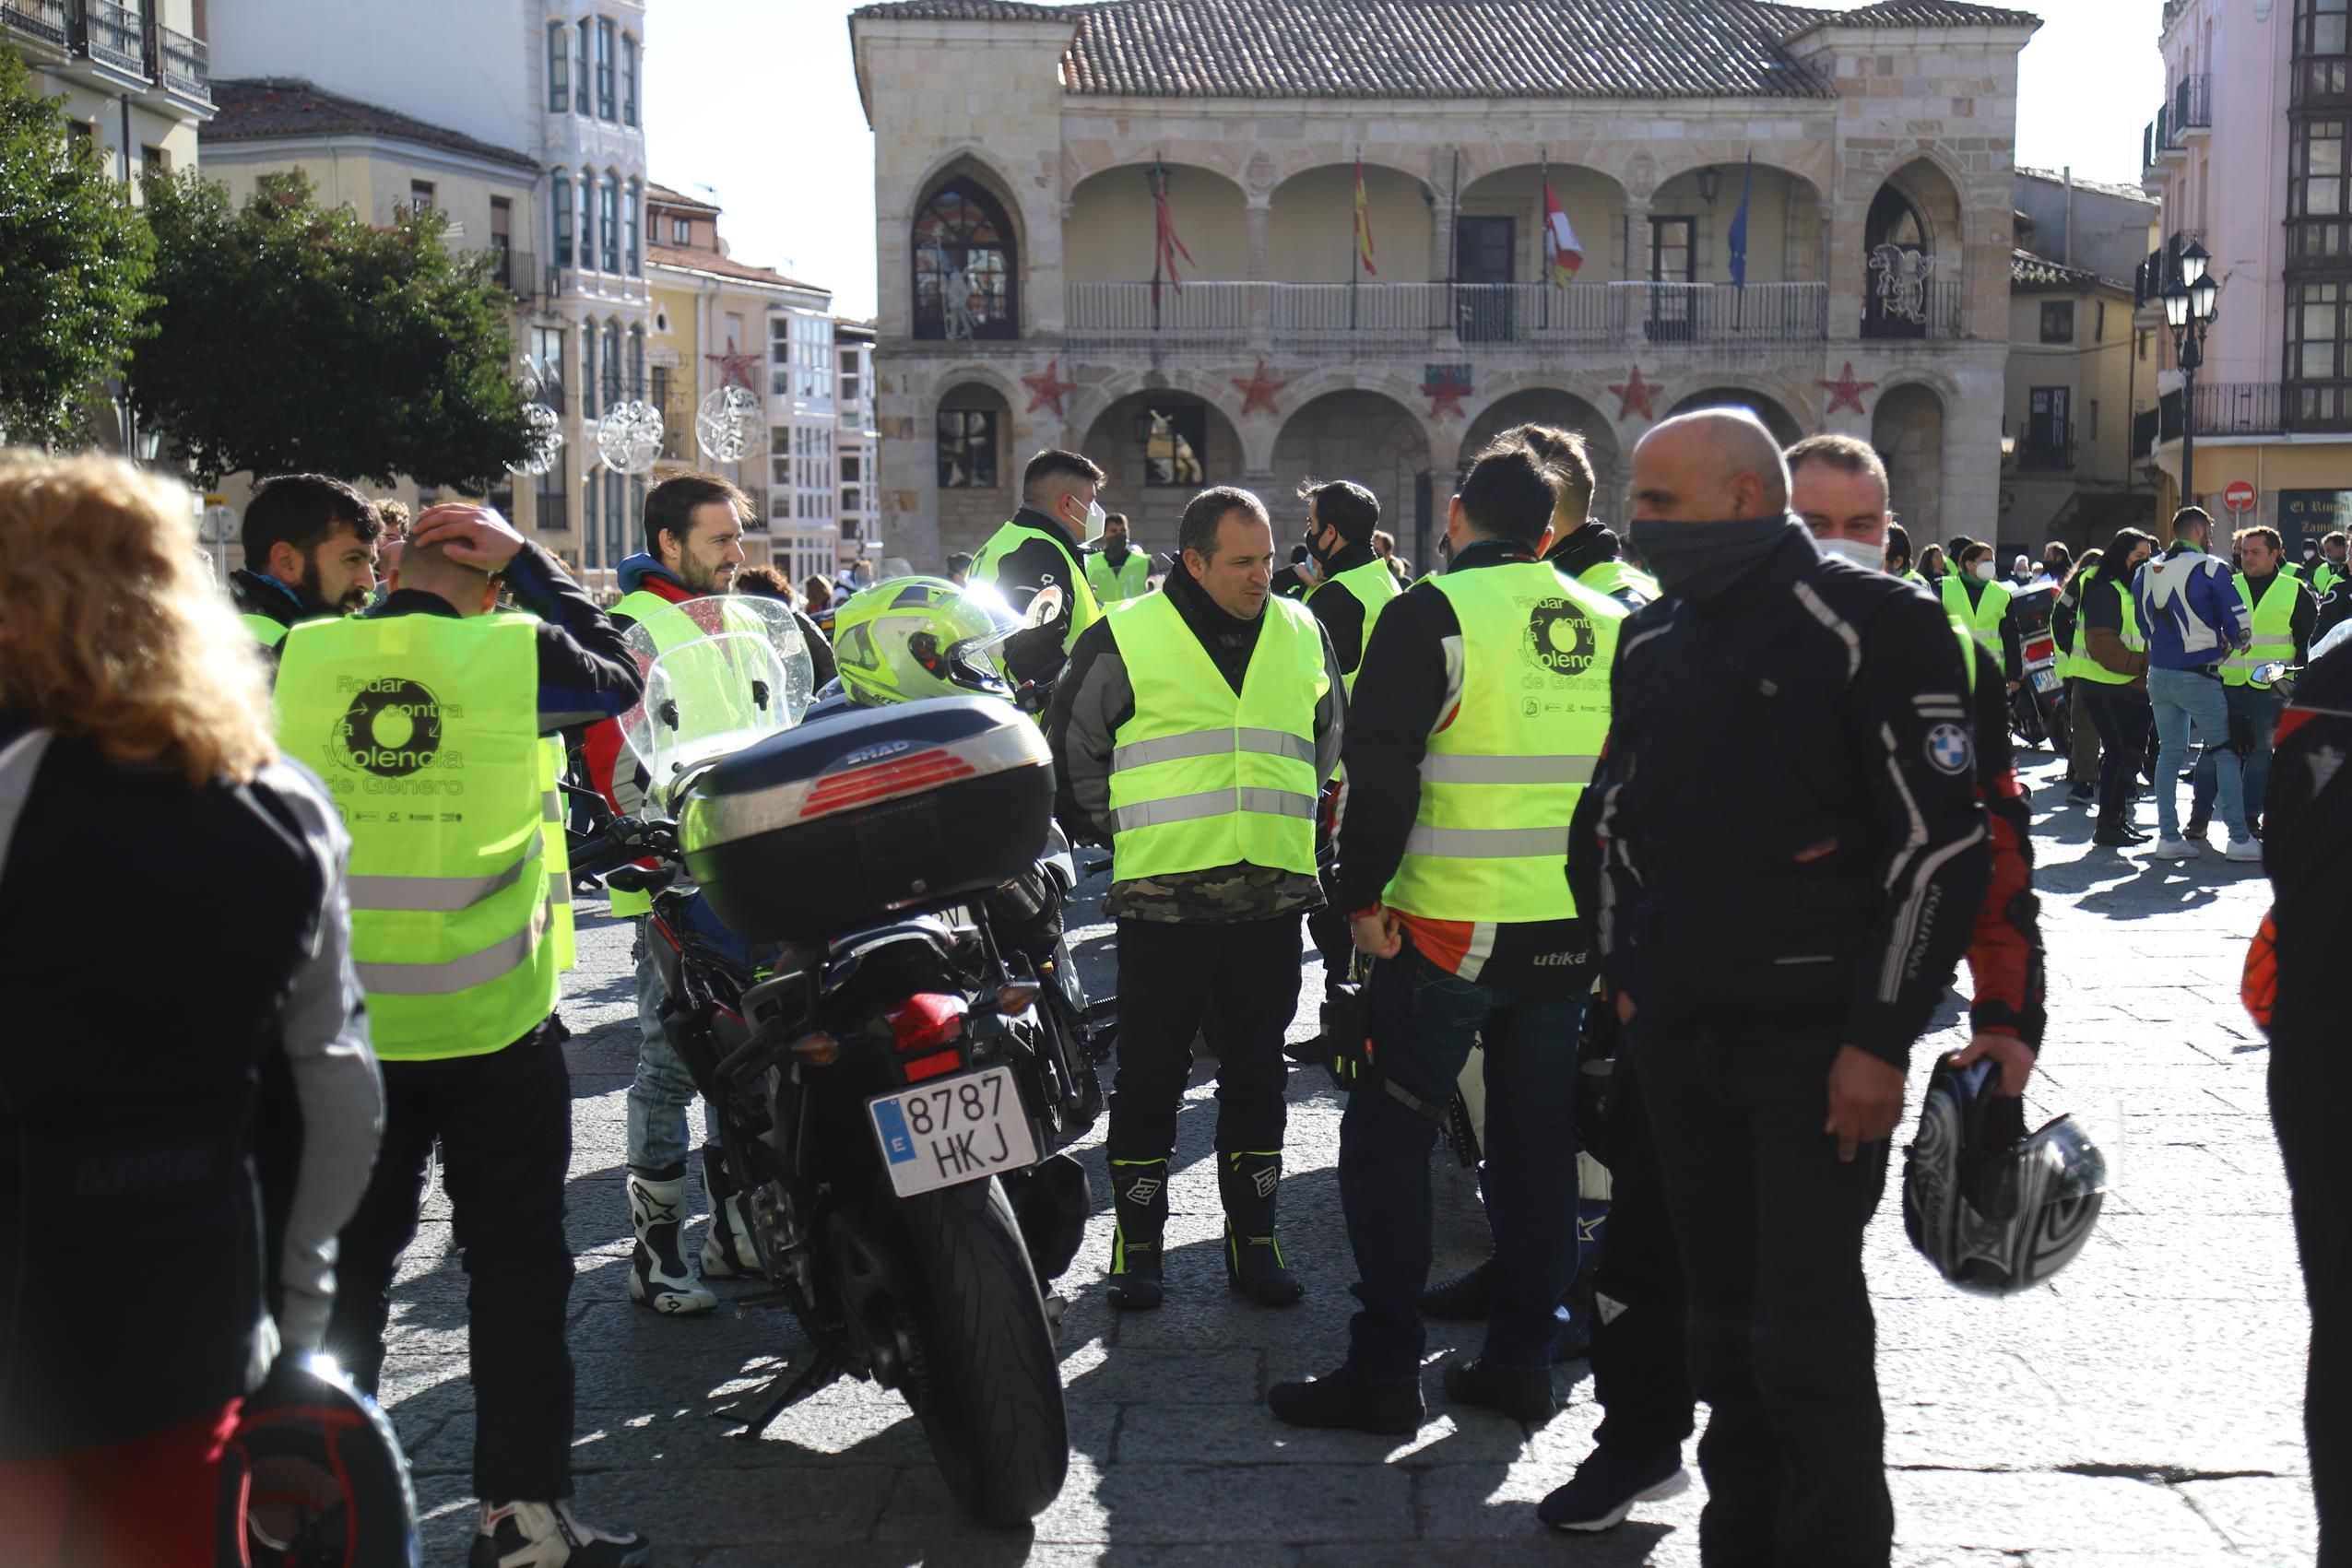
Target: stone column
1636	239
1256	215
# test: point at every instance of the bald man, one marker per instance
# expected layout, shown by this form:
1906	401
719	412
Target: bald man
1793	852
501	1113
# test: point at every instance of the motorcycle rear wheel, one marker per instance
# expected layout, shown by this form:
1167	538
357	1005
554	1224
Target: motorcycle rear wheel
990	1393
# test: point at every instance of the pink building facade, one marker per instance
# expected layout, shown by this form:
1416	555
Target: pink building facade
2251	155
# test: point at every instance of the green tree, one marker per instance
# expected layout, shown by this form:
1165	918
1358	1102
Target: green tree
289	337
73	256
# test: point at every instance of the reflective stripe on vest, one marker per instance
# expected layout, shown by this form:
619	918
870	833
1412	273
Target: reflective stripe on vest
1111	587
425	729
267	632
1610	576
1983	618
1371	586
1200	777
2089	668
1084	608
2274	639
558	853
1501	780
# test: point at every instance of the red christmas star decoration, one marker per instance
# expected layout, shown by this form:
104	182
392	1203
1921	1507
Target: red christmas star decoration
1635	393
1446	386
1047	387
736	368
1846	392
1259	391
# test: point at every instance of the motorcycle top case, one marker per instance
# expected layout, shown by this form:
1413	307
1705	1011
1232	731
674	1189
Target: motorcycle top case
868	814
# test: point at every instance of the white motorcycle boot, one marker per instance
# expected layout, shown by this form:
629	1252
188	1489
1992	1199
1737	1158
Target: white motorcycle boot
728	1252
659	1276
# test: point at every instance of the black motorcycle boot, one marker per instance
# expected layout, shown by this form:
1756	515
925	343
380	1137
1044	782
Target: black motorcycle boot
1247	1183
728	1252
1139	1221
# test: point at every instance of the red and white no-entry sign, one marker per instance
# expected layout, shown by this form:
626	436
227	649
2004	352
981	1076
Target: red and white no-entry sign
2239	497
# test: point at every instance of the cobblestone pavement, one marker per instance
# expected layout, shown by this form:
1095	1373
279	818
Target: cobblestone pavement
2144	1409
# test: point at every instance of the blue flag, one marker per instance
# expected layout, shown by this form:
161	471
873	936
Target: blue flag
1740	228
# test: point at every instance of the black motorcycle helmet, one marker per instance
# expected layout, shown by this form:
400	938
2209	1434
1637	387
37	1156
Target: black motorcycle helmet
1996	1209
326	1485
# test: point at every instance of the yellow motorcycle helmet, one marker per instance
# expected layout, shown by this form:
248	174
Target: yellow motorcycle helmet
916	637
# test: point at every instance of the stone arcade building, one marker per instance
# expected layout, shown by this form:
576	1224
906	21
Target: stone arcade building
1018	149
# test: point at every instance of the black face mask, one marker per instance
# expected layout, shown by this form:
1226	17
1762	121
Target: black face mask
1698	561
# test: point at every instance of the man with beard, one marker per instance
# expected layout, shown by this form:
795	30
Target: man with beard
693	548
310	551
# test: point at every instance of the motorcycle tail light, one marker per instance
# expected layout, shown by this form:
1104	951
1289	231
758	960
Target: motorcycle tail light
926	1021
819	1050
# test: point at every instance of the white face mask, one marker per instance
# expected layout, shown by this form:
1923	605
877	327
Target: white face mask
1862	553
1984	572
1096	521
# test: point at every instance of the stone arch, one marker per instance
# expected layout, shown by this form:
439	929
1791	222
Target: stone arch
1150	470
1310	223
1913	252
1398	387
1742	393
1088	405
1907	426
1109	223
981	166
965	259
973	495
1788	220
1547	405
1510	188
1368	434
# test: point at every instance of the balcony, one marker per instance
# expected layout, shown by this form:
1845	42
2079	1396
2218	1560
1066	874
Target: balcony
1385	320
45	20
518	272
1942	306
111	35
183	65
2241	408
2047	448
2192	109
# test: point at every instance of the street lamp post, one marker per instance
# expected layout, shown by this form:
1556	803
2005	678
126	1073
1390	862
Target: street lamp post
2189	311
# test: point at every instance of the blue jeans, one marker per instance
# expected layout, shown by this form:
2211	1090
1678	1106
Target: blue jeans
663	1087
2180	698
2257	707
1423	1020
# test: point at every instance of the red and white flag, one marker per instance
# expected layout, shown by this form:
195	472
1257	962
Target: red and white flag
1562	254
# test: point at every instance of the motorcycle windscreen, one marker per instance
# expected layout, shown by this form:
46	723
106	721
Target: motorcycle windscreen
721	673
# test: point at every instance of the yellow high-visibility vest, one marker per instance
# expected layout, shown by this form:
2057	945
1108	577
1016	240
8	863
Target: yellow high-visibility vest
1203	777
426	731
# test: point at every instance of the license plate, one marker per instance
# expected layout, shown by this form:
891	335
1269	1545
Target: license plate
958	1129
2045	680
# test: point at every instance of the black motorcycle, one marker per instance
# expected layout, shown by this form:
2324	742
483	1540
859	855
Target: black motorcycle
881	1077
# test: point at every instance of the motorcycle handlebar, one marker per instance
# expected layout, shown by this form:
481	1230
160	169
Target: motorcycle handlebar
621	841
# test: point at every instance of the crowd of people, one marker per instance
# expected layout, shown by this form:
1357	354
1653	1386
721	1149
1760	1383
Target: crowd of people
1495	798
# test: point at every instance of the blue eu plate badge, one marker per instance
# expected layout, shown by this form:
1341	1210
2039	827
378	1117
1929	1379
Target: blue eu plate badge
898	1144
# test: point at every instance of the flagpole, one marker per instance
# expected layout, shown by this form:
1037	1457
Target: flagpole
1543	219
1159	235
1356	239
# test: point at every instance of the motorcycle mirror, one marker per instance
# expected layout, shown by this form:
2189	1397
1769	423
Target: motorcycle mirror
2271	673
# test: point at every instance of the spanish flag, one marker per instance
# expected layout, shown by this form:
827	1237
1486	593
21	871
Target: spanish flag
1363	224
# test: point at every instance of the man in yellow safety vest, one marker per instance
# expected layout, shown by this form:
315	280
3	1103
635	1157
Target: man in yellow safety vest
1117	571
1192	732
310	545
1462	780
2284	613
425	717
1039	550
